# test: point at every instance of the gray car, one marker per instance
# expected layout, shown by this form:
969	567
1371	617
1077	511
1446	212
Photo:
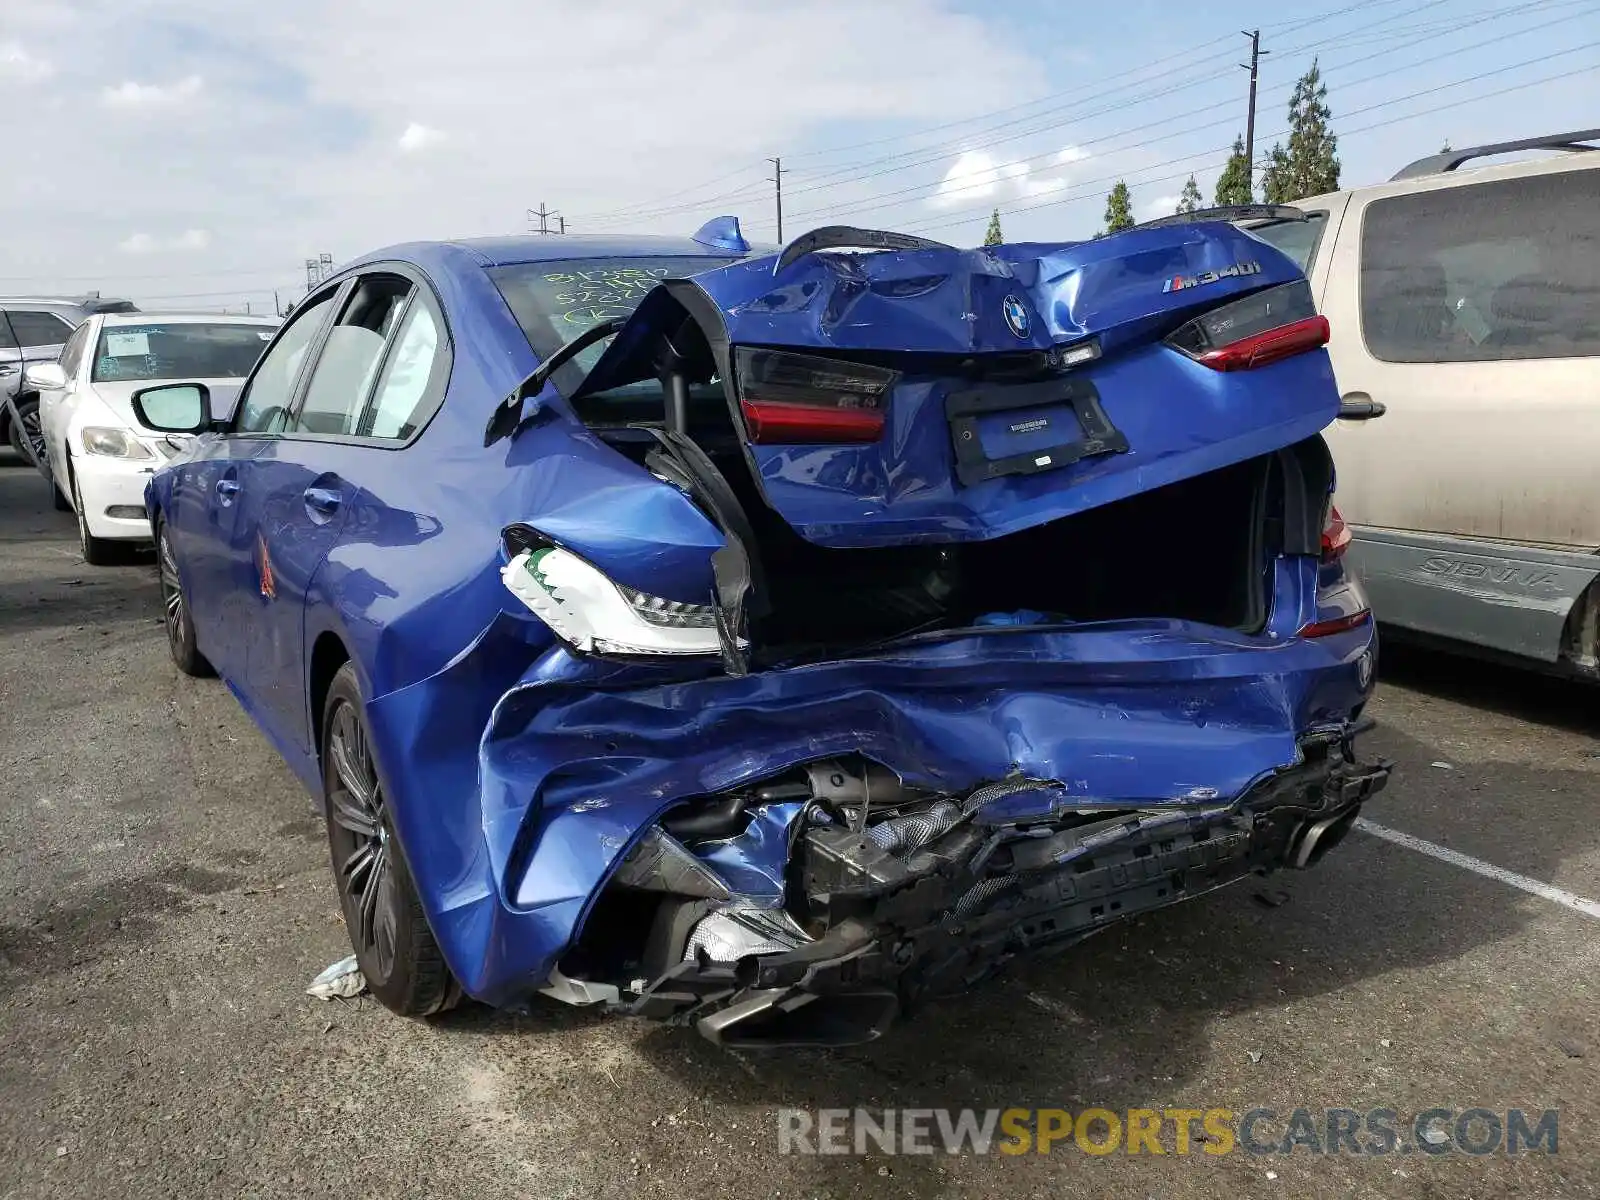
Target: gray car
33	329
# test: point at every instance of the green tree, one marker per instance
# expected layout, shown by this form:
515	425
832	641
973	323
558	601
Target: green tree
994	237
1119	208
1234	184
1310	165
1189	198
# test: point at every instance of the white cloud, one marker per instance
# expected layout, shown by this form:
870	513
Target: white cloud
130	94
144	243
1161	206
976	176
418	137
19	63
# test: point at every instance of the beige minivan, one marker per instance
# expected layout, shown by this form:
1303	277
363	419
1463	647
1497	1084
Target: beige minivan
1465	310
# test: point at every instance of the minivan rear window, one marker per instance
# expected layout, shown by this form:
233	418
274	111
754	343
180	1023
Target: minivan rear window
1484	272
1298	239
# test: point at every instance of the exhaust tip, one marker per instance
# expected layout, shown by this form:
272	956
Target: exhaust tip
782	1018
1316	839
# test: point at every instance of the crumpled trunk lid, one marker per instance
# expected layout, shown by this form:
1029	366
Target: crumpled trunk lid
1030	382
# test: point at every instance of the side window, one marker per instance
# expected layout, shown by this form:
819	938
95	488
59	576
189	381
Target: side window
72	352
413	377
39	328
266	398
343	375
1503	270
1298	239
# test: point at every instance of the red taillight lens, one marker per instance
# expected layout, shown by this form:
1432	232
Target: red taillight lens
1263	327
805	398
1335	536
768	422
1263	348
1333	625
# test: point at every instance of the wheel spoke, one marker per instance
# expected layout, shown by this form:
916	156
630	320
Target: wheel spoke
352	816
385	934
356	866
354	780
369	897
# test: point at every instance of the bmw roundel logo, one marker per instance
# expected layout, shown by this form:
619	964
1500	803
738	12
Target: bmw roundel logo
1016	314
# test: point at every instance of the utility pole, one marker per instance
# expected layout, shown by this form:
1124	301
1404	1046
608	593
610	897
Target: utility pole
543	215
777	181
277	305
1250	122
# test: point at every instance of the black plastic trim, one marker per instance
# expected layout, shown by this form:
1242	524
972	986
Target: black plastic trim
962	408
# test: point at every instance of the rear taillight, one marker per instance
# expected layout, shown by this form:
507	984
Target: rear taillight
1335	536
1264	327
798	398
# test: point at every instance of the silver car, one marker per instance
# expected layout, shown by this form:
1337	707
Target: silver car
33	329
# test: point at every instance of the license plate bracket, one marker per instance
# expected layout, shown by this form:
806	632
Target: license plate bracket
964	407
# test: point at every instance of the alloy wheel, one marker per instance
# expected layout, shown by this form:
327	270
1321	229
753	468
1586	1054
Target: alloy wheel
31	431
175	612
77	511
363	855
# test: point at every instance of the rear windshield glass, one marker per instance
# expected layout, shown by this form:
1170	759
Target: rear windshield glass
1297	239
179	350
556	301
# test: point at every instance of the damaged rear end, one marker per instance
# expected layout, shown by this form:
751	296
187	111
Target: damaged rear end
929	607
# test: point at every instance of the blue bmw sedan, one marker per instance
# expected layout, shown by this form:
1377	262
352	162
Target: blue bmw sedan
767	640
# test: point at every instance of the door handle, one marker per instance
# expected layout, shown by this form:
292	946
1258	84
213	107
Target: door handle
227	487
1358	406
323	501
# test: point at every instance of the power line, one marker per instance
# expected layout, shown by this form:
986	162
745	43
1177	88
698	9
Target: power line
842	176
883	200
971	213
847	174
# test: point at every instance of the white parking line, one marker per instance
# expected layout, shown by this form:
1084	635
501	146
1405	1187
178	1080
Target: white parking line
1589	908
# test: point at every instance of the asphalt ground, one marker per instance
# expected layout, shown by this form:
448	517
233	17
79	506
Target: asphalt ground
165	898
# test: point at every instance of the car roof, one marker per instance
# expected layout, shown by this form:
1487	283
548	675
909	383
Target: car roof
535	248
190	318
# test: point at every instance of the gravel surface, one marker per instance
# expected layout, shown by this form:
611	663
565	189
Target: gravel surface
165	898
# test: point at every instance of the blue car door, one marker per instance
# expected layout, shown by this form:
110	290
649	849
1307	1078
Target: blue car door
295	497
206	512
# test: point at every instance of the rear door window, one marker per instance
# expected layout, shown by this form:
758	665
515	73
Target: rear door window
348	364
33	329
1502	270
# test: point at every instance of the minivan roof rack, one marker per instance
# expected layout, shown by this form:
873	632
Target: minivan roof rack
1449	160
1229	212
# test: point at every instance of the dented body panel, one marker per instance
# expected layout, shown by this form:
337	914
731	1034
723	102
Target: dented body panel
520	772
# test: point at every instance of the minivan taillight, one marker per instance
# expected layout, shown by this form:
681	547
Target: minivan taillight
805	398
1335	536
1263	327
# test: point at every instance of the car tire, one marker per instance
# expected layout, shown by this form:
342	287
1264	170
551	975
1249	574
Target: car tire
388	930
26	424
97	552
175	611
61	503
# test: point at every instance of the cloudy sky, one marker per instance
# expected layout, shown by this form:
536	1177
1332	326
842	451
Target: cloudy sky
194	153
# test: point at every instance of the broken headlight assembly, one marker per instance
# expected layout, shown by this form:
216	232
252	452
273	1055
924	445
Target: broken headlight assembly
596	615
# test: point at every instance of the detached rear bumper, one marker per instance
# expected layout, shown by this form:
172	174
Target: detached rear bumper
967	903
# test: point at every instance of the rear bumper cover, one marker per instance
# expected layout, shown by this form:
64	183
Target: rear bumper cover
941	933
514	821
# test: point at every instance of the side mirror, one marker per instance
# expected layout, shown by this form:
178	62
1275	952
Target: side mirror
47	377
174	408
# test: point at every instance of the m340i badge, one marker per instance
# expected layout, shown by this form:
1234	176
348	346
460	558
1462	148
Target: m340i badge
1179	283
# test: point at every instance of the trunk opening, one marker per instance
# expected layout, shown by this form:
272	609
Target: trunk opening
1197	550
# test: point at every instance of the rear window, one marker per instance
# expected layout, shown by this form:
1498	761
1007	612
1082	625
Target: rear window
178	350
556	301
1502	270
1298	239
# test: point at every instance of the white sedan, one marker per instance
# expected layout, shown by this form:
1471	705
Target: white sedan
97	454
